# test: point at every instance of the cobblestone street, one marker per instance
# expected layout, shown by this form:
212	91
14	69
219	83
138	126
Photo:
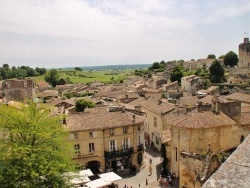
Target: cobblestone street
139	180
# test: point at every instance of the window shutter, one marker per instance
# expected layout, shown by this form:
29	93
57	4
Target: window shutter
109	146
115	144
71	136
128	142
122	143
94	134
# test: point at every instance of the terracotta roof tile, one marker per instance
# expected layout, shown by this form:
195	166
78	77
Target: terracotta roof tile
239	97
206	119
154	106
100	121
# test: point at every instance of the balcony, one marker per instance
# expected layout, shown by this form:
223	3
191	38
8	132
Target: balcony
140	147
118	153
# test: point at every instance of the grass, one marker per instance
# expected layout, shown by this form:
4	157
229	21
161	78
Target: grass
105	76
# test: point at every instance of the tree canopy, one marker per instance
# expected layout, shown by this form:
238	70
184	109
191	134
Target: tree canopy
231	59
176	74
216	72
52	77
33	151
211	56
81	104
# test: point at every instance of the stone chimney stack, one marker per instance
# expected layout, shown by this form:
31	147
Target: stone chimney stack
246	40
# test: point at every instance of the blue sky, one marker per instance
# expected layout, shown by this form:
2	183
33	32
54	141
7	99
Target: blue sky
63	33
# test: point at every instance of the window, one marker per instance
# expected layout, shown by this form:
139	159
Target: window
112	145
112	131
91	147
75	136
90	134
125	143
77	148
139	127
125	130
175	154
155	121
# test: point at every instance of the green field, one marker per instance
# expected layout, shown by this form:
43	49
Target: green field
88	76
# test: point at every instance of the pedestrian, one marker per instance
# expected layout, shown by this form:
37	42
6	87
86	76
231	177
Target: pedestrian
150	170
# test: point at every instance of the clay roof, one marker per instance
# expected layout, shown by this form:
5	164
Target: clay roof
130	95
154	106
43	84
199	120
59	101
101	121
190	100
239	97
245	119
207	99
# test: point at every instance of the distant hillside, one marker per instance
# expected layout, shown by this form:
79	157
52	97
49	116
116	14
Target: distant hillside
112	67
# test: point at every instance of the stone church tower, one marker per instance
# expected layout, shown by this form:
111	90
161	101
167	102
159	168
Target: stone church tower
244	53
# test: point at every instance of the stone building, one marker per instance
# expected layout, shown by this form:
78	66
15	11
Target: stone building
107	141
157	113
196	138
190	83
18	90
244	53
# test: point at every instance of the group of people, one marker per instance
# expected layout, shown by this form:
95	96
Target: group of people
167	180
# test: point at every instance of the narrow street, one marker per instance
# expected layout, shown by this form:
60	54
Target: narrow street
139	180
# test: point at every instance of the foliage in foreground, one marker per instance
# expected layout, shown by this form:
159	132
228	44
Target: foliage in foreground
33	152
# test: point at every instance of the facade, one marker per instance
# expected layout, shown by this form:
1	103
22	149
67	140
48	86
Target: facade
157	113
110	141
189	83
244	53
18	90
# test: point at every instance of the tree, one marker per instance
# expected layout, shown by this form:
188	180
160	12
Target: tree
222	57
33	151
81	104
211	56
62	81
231	59
52	77
20	73
78	69
176	74
216	72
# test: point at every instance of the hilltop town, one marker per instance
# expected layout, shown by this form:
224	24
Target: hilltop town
193	127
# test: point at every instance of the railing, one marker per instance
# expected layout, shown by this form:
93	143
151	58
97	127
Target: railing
140	147
119	153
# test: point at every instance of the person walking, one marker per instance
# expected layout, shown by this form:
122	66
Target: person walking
150	170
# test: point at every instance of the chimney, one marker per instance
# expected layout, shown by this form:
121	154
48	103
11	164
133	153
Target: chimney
246	40
199	106
123	109
133	118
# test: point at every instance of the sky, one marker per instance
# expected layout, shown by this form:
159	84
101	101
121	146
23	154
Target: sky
70	33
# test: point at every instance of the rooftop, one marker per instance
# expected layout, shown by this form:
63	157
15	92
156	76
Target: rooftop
234	172
101	121
199	120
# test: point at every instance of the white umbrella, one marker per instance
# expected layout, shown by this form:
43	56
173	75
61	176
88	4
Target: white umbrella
80	180
110	176
87	172
97	183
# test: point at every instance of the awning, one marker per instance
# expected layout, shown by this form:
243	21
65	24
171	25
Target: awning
110	176
97	183
80	180
87	172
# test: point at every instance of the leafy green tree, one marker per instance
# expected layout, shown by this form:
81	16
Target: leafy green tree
52	77
62	81
216	72
176	74
231	59
33	151
68	95
81	104
222	57
20	73
78	69
211	56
